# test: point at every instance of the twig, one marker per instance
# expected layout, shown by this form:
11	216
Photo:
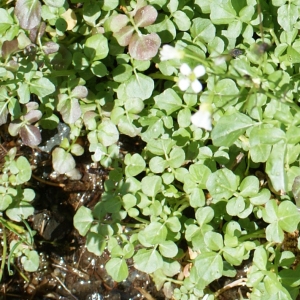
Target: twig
239	282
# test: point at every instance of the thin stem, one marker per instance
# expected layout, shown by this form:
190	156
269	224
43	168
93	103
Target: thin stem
165	77
254	235
141	220
4	251
21	273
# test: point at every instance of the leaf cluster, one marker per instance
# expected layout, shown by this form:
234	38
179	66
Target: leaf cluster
192	205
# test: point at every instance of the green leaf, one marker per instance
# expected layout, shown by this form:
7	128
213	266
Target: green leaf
42	87
270	212
287	16
275	168
197	198
234	255
203	29
24	169
290	277
168	249
268	136
176	158
28	13
6	20
213	240
147	261
225	93
199	174
20	211
135	164
229	128
288	216
23	93
83	220
157	164
274	233
249	187
222	12
209	267
222	184
117	269
127	127
204	215
184	117
55	3
293	56
173	224
108	5
95	243
5	202
91	12
160	146
31	261
151	185
96	47
181	20
139	85
261	198
62	161
260	141
164	27
168	101
260	258
235	206
122	73
107	133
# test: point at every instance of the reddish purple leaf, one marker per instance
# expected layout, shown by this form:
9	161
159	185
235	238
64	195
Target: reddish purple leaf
118	22
79	92
28	13
33	116
50	47
30	135
124	35
144	47
145	16
9	47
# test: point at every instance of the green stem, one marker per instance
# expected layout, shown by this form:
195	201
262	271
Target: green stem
175	281
183	207
254	235
141	220
165	77
60	73
4	251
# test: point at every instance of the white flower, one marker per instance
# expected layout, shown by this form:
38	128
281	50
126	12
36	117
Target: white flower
190	78
202	118
168	52
205	297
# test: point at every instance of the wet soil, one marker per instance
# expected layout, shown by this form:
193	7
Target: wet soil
67	270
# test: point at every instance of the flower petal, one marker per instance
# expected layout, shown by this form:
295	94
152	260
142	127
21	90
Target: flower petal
199	71
184	84
196	86
185	69
202	119
168	52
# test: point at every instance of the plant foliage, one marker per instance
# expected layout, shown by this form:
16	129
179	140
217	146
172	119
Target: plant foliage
216	183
